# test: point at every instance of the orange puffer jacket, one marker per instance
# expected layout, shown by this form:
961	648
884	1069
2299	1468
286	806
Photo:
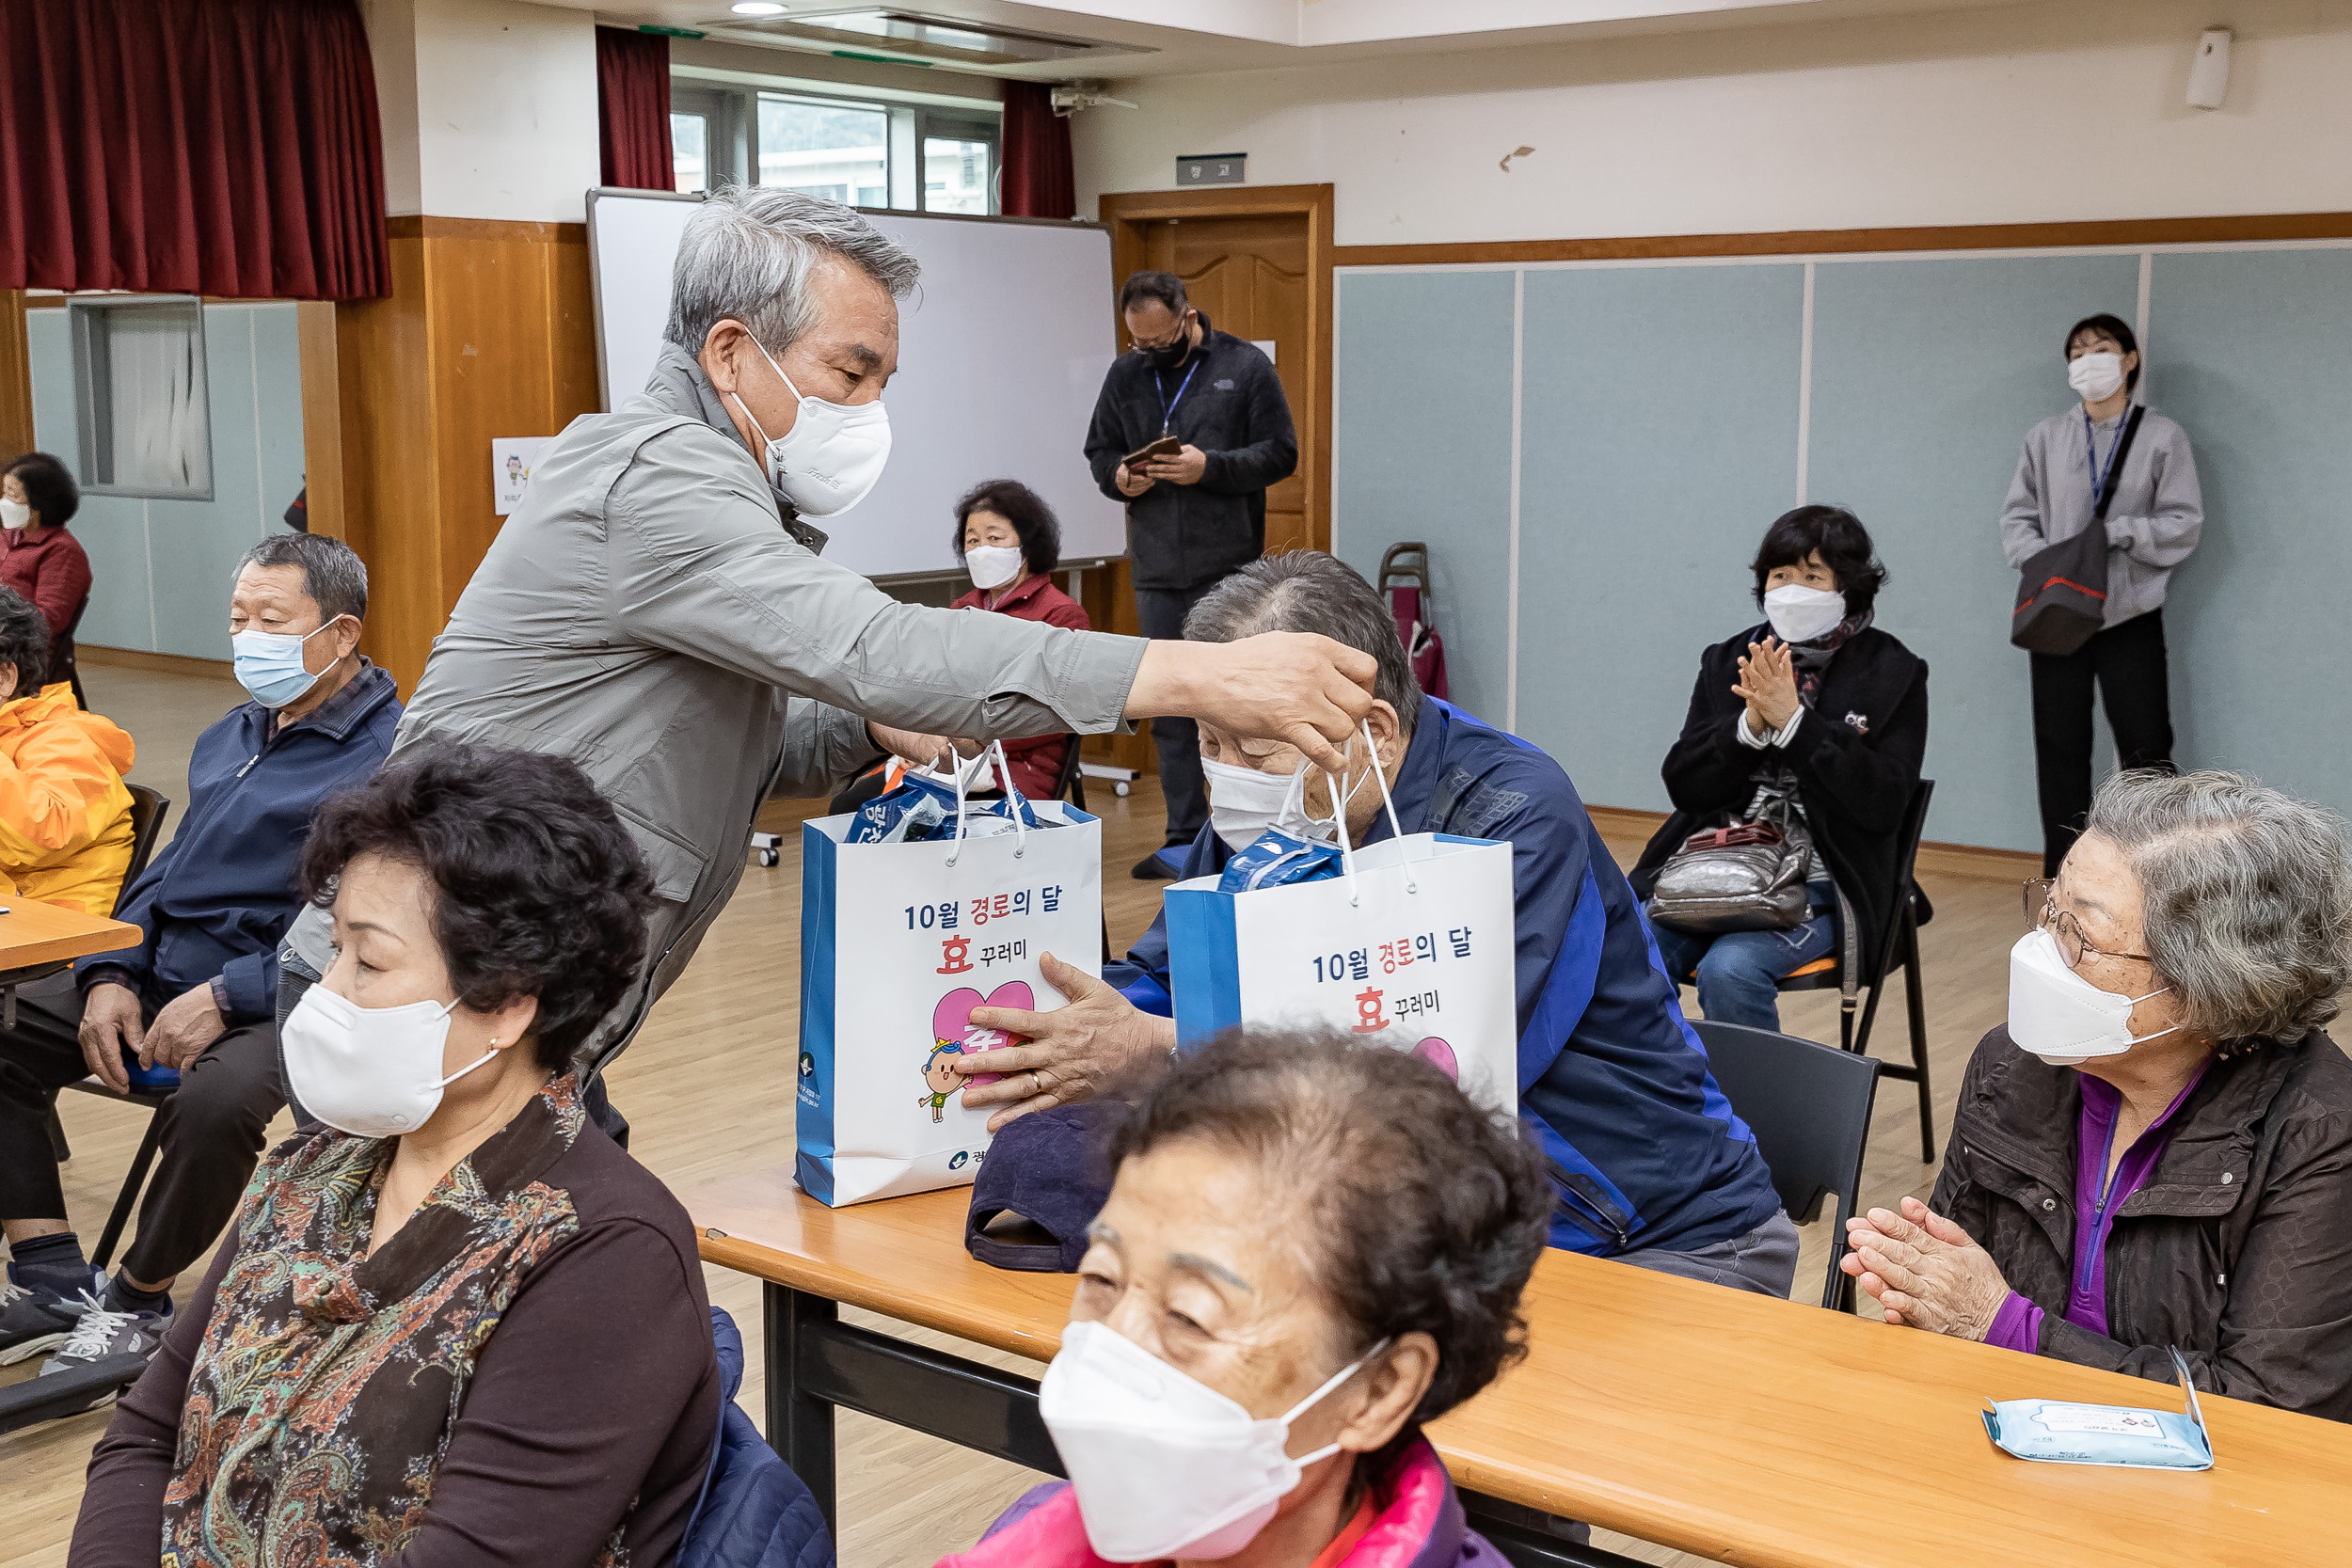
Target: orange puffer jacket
65	816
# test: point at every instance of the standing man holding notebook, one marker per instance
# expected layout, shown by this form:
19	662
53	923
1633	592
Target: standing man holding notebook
1190	430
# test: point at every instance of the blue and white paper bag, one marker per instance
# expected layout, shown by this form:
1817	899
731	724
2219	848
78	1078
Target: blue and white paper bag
899	942
1413	950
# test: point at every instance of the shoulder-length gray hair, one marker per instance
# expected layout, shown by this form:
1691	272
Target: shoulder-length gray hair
2246	899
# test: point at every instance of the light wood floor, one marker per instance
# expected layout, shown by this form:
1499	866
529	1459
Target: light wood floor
707	1087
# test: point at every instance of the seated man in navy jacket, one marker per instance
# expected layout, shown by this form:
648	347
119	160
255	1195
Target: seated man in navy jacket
200	994
1648	1161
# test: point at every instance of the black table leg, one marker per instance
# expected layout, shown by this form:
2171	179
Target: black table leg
799	1426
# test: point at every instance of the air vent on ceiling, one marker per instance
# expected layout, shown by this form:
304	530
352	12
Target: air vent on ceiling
931	38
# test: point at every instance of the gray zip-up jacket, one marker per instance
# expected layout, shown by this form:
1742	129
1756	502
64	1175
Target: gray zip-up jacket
654	613
2153	524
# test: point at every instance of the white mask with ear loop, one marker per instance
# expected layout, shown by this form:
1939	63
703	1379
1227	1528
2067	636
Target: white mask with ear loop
832	454
2095	376
1164	1465
374	1073
2057	1015
1800	614
1245	803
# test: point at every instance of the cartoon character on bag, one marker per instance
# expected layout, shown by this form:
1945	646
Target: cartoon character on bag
941	1077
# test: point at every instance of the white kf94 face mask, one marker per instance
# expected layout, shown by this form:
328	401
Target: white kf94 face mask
1800	614
832	454
2095	376
1245	803
2057	1015
374	1072
992	565
1164	1465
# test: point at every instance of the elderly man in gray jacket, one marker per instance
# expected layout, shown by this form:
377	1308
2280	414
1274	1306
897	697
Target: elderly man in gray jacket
656	611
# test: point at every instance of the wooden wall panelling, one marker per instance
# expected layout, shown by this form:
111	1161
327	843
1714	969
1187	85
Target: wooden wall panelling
488	333
16	378
321	417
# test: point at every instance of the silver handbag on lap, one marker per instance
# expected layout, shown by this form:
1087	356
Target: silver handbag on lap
1746	877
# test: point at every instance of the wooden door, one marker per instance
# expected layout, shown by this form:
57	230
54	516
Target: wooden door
1249	275
1257	261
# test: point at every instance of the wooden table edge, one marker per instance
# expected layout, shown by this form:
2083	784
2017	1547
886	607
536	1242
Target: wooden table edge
773	1267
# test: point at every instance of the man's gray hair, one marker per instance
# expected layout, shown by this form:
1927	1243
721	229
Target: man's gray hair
746	256
2247	901
332	572
1309	591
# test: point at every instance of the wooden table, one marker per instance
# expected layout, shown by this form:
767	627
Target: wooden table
33	934
1735	1427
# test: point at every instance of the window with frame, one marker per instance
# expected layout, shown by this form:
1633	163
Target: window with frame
864	152
142	411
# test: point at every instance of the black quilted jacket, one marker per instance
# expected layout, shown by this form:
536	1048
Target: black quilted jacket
2238	1249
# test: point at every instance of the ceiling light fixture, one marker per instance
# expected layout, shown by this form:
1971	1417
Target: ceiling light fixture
756	8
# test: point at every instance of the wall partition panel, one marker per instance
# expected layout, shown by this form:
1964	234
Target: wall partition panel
1659	414
1926	375
1420	428
2252	353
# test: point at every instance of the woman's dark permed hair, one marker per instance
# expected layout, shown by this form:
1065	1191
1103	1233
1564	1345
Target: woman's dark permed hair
1032	520
541	888
1845	547
24	641
2105	326
49	487
1426	1213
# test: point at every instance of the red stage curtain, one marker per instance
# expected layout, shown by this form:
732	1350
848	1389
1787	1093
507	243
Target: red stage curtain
1038	179
219	147
633	103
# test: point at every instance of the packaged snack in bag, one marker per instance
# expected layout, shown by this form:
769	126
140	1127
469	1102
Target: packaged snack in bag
1278	860
909	813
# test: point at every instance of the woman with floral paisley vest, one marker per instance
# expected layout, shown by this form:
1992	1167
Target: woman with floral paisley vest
456	1323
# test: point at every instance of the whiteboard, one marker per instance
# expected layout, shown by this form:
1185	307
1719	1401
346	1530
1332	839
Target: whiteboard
1002	349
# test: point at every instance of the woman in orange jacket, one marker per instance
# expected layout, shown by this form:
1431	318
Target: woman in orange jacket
65	814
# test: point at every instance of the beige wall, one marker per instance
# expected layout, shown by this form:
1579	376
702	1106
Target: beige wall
489	108
2035	113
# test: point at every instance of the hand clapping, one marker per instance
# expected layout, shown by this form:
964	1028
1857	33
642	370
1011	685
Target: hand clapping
1925	1271
1768	682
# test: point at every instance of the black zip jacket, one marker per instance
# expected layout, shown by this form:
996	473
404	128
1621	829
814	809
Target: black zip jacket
1857	757
2237	1249
1183	536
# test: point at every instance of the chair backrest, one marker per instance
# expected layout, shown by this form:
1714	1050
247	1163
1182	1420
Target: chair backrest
1809	1107
1906	870
1070	775
147	811
61	664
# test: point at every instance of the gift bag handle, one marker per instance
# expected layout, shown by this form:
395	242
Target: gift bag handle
994	754
1338	819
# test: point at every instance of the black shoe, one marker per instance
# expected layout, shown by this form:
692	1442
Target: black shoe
36	1315
124	1340
1154	867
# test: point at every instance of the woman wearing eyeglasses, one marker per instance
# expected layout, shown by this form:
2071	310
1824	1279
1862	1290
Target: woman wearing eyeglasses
2156	1149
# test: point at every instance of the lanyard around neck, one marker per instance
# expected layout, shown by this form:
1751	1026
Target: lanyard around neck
1167	404
2102	480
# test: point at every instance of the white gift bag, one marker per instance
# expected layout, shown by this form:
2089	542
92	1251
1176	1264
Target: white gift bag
898	943
1413	948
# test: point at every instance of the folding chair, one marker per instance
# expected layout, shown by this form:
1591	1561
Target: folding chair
1901	946
1809	1106
147	811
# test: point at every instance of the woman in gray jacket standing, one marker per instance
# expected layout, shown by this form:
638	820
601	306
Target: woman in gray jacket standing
2153	522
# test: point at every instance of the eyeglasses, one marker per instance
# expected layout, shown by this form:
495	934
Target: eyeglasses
2043	914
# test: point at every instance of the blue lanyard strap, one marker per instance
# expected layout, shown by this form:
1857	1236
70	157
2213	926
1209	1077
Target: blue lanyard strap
2090	453
1167	404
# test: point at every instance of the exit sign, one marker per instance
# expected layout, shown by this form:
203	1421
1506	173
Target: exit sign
1210	169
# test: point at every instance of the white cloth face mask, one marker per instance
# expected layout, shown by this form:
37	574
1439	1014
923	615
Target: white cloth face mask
1800	614
2095	376
2057	1015
15	514
992	565
1245	803
1164	1465
832	454
374	1072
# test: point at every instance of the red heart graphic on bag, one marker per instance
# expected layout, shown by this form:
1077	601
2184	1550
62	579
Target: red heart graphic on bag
951	1020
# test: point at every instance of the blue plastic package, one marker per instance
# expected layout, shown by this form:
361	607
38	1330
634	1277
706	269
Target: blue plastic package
1278	860
2056	1433
901	815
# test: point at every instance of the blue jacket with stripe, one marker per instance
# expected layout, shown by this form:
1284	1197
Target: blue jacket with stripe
1645	1151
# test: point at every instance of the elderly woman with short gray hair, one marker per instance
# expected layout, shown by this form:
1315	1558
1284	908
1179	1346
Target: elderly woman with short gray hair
2156	1149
